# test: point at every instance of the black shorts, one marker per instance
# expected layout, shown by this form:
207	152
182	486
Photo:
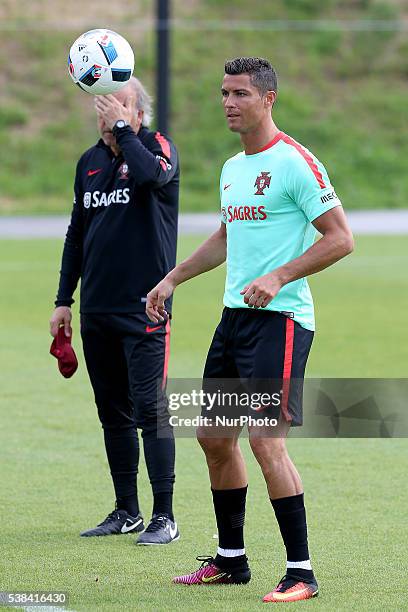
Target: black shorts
265	347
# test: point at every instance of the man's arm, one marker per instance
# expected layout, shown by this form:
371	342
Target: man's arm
208	256
155	165
336	243
70	267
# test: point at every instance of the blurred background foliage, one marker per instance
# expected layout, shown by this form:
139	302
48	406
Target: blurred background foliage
342	91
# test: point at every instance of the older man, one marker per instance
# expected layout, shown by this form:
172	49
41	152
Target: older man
120	242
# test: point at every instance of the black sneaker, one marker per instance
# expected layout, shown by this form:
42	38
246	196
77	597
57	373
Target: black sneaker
117	522
160	530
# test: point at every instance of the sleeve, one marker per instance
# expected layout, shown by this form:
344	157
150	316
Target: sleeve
156	164
308	185
72	254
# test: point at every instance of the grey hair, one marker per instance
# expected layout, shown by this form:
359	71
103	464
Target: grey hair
144	100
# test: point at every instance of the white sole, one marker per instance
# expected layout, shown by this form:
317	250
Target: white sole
156	543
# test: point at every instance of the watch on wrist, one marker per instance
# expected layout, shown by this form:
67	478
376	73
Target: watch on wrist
119	125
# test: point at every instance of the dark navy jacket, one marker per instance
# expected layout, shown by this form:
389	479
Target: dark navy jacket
122	237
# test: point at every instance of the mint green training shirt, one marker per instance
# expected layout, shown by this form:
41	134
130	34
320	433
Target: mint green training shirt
268	201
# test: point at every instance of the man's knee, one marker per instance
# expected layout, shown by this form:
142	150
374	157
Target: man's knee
216	449
148	406
112	416
151	415
269	452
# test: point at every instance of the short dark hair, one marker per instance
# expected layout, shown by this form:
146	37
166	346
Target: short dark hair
262	74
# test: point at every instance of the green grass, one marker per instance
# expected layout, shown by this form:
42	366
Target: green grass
55	481
329	84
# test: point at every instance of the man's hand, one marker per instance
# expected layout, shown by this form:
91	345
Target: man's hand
62	315
155	300
111	110
262	290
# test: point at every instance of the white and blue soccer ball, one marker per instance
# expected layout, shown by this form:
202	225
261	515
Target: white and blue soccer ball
101	62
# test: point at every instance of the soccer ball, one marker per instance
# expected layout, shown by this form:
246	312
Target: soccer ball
101	62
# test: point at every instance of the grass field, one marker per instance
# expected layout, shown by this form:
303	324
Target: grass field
55	481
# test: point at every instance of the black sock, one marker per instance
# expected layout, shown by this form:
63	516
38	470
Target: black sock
291	516
130	504
163	503
229	507
122	450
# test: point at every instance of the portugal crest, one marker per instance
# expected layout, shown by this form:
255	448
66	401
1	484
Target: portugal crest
262	182
123	171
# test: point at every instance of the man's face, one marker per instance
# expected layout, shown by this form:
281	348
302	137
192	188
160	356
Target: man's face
244	106
105	132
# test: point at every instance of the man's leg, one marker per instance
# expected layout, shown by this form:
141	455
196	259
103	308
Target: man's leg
281	476
228	477
147	355
287	345
286	496
229	484
108	374
226	467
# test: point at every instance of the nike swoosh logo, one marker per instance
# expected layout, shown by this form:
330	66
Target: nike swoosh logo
173	531
226	186
283	596
92	172
213	578
126	527
152	329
